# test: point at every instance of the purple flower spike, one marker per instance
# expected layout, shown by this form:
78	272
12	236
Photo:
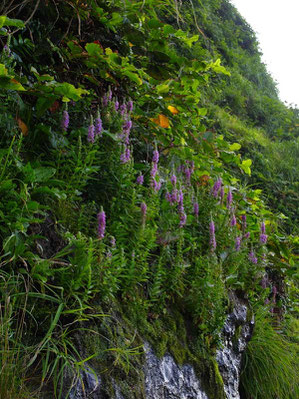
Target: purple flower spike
116	105
98	126
140	180
196	209
90	137
155	185
158	186
188	173
154	169
247	235
101	224
155	156
212	236
233	221
130	106
113	242
127	126
264	282
175	195
181	201
217	187
173	179
126	155
168	197
183	219
263	239
123	109
252	257
229	199
238	243
263	235
244	225
7	50
65	121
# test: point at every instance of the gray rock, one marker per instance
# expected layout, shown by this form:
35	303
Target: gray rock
88	385
164	379
234	343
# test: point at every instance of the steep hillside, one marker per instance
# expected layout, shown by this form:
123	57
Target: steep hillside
149	189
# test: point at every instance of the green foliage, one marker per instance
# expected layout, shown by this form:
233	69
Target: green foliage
55	178
270	362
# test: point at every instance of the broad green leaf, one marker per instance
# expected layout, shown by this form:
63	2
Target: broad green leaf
235	147
69	92
94	49
43	174
5	21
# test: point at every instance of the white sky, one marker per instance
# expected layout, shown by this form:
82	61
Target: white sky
276	23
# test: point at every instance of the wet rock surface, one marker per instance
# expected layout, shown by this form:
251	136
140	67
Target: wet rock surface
87	386
237	332
164	379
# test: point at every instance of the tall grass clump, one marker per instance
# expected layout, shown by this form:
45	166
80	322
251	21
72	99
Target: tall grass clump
270	363
13	353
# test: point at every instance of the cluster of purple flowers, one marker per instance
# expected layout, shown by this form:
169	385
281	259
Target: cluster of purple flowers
181	209
172	197
101	224
95	128
233	221
91	129
252	257
238	243
154	184
126	129
140	179
263	235
98	124
216	190
188	170
196	208
229	199
65	120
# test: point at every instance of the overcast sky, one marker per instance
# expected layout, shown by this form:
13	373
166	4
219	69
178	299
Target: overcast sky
276	23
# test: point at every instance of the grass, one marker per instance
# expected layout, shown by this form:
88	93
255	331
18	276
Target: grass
270	363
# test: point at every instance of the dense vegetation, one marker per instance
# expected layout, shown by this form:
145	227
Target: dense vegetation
148	169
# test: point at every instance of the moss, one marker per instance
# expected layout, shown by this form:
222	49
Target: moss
171	332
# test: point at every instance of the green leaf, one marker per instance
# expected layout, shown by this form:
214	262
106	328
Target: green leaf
202	111
69	92
235	147
43	174
133	76
44	103
94	49
162	89
245	165
5	21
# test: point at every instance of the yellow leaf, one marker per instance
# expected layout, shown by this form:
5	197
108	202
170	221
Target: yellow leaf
161	120
22	126
173	110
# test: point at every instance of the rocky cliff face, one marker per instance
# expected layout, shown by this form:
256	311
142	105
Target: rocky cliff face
237	332
164	379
